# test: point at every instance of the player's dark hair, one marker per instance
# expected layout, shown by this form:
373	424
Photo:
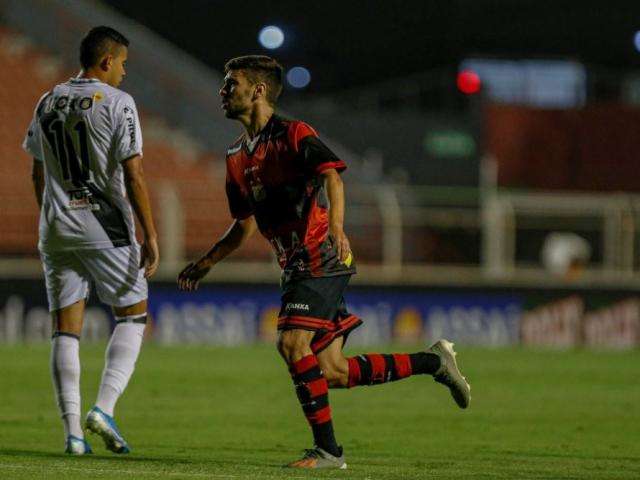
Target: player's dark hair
260	68
98	42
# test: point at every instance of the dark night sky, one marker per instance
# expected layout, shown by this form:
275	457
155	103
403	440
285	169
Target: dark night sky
350	43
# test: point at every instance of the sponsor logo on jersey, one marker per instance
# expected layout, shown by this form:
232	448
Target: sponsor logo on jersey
82	199
297	306
65	102
131	125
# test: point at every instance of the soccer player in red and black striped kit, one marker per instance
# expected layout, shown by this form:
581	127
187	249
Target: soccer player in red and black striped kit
282	180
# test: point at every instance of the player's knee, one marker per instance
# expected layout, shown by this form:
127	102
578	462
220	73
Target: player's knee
293	345
135	309
69	319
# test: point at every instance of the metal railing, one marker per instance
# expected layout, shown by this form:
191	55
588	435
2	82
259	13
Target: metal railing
496	216
614	215
398	214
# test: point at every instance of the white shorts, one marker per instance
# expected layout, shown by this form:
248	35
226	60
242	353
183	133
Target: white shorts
115	271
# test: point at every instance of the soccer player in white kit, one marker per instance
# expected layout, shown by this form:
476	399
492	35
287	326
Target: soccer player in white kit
86	143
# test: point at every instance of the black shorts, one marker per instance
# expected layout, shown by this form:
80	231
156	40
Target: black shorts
317	305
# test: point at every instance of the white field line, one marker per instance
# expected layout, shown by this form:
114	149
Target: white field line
135	473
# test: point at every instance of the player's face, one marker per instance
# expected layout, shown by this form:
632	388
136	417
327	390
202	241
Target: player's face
117	68
237	94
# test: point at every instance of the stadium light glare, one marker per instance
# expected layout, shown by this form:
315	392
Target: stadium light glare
468	82
299	77
636	40
271	37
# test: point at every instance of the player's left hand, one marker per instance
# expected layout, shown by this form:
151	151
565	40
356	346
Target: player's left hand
341	242
189	278
150	256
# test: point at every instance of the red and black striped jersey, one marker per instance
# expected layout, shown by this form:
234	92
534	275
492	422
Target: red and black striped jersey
277	178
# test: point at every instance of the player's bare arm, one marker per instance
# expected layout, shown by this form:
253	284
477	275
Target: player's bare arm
335	191
139	197
234	237
37	177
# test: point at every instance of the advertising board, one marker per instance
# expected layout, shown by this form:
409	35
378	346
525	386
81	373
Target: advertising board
240	314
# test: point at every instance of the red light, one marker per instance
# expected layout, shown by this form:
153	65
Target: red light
468	82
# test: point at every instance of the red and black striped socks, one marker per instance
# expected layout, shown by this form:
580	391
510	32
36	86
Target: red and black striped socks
313	393
370	369
375	368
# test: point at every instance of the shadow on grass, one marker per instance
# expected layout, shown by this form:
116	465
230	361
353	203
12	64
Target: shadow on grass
10	452
135	459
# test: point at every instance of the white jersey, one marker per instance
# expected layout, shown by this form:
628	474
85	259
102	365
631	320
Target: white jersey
82	130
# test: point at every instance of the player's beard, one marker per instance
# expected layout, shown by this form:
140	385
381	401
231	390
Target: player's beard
237	104
233	112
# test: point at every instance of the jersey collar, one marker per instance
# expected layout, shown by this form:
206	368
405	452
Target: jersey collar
84	80
251	145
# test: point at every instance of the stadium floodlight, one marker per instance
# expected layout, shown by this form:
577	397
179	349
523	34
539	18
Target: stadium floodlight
299	77
271	37
636	40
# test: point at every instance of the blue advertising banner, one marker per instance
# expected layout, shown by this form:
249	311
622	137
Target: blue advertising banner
226	315
221	315
25	317
240	314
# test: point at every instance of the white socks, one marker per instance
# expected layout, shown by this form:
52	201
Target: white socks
65	372
120	360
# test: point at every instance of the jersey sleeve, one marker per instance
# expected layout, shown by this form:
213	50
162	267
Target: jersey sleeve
314	154
239	204
32	143
128	133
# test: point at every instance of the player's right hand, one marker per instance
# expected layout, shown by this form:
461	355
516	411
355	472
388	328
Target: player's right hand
190	277
150	256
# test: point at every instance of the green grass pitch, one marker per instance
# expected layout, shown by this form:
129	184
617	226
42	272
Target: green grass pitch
213	412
